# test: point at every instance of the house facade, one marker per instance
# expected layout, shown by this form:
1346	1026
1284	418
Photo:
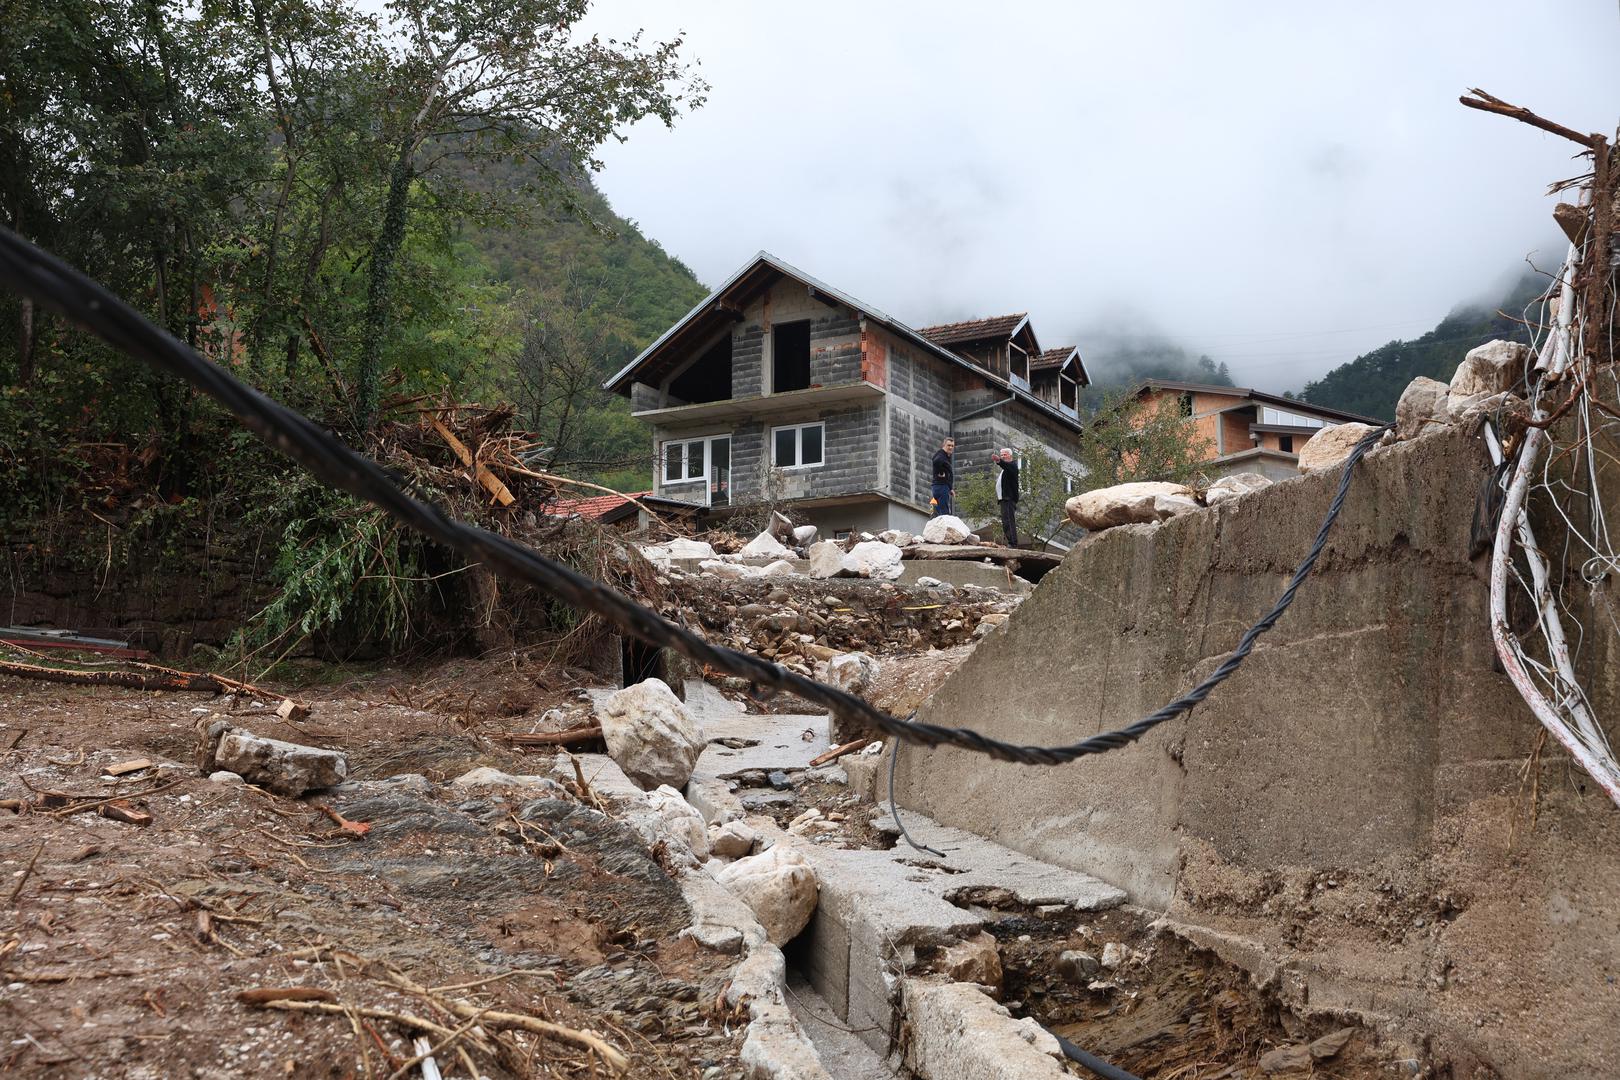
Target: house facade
1247	430
779	389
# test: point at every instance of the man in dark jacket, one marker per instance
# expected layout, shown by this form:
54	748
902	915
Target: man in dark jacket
944	478
1007	494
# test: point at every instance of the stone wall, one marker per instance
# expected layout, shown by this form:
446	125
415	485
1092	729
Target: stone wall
1351	814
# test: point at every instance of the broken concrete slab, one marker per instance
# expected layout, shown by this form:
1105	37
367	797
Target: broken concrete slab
958	1033
286	768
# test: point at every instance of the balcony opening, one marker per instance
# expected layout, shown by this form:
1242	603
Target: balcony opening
1068	395
709	379
1019	366
790	357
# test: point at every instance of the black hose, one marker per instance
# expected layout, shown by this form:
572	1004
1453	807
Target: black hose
1091	1061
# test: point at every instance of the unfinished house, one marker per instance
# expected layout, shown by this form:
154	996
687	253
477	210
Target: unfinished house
778	389
1248	430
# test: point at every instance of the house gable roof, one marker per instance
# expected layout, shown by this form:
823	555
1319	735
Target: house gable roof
1244	393
994	328
1060	358
721	307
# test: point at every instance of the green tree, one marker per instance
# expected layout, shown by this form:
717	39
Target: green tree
501	79
1133	439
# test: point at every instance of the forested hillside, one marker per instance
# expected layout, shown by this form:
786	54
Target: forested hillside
1371	384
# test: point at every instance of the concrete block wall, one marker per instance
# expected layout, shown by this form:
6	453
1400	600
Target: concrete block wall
1368	742
747	361
851	451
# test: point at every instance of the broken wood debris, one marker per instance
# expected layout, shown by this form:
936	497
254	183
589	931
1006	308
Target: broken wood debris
839	751
585	733
124	768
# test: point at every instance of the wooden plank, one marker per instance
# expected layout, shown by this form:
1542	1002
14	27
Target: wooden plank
124	768
839	751
491	482
981	551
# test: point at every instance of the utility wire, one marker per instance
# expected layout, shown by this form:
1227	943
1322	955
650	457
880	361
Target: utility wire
49	281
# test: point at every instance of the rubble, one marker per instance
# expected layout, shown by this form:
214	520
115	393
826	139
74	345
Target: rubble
1422	404
1331	445
779	886
1492	368
1230	487
650	735
286	768
875	559
732	840
767	545
488	779
973	960
680	819
852	672
946	529
1129	504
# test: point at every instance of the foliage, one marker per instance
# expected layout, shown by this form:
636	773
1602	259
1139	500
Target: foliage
1372	383
1043	488
344	567
1132	439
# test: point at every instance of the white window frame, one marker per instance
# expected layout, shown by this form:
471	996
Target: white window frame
798	445
1021	381
684	442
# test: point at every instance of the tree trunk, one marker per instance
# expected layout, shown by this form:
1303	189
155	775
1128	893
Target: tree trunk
384	253
25	343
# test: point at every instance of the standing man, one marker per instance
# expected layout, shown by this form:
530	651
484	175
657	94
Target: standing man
944	480
1007	494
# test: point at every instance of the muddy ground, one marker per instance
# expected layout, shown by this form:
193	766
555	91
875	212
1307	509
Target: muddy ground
123	947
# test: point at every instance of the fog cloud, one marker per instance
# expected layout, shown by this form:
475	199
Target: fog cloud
1281	186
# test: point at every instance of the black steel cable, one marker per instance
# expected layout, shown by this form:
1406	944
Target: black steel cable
49	281
894	805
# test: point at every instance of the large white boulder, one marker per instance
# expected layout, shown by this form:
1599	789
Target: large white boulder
875	559
1230	487
897	537
723	568
1489	369
852	672
1331	445
829	560
767	545
946	529
1422	404
732	840
487	779
1129	504
804	534
779	886
283	767
680	819
679	548
777	568
650	734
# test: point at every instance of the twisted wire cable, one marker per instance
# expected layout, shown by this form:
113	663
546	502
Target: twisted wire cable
42	277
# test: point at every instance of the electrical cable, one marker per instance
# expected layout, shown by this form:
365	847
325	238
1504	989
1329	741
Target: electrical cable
894	807
54	284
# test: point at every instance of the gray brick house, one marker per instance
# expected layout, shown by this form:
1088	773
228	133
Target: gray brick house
780	389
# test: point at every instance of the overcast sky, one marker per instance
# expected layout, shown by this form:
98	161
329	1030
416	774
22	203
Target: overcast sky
1280	185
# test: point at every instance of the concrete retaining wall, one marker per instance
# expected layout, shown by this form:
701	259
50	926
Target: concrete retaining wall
1351	801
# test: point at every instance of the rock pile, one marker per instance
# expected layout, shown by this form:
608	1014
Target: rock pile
800	622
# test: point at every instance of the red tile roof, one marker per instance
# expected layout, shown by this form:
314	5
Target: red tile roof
592	508
996	326
1051	358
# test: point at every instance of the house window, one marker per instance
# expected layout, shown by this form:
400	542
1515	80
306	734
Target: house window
684	461
799	446
1020	366
1285	443
1186	405
790	357
1068	394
